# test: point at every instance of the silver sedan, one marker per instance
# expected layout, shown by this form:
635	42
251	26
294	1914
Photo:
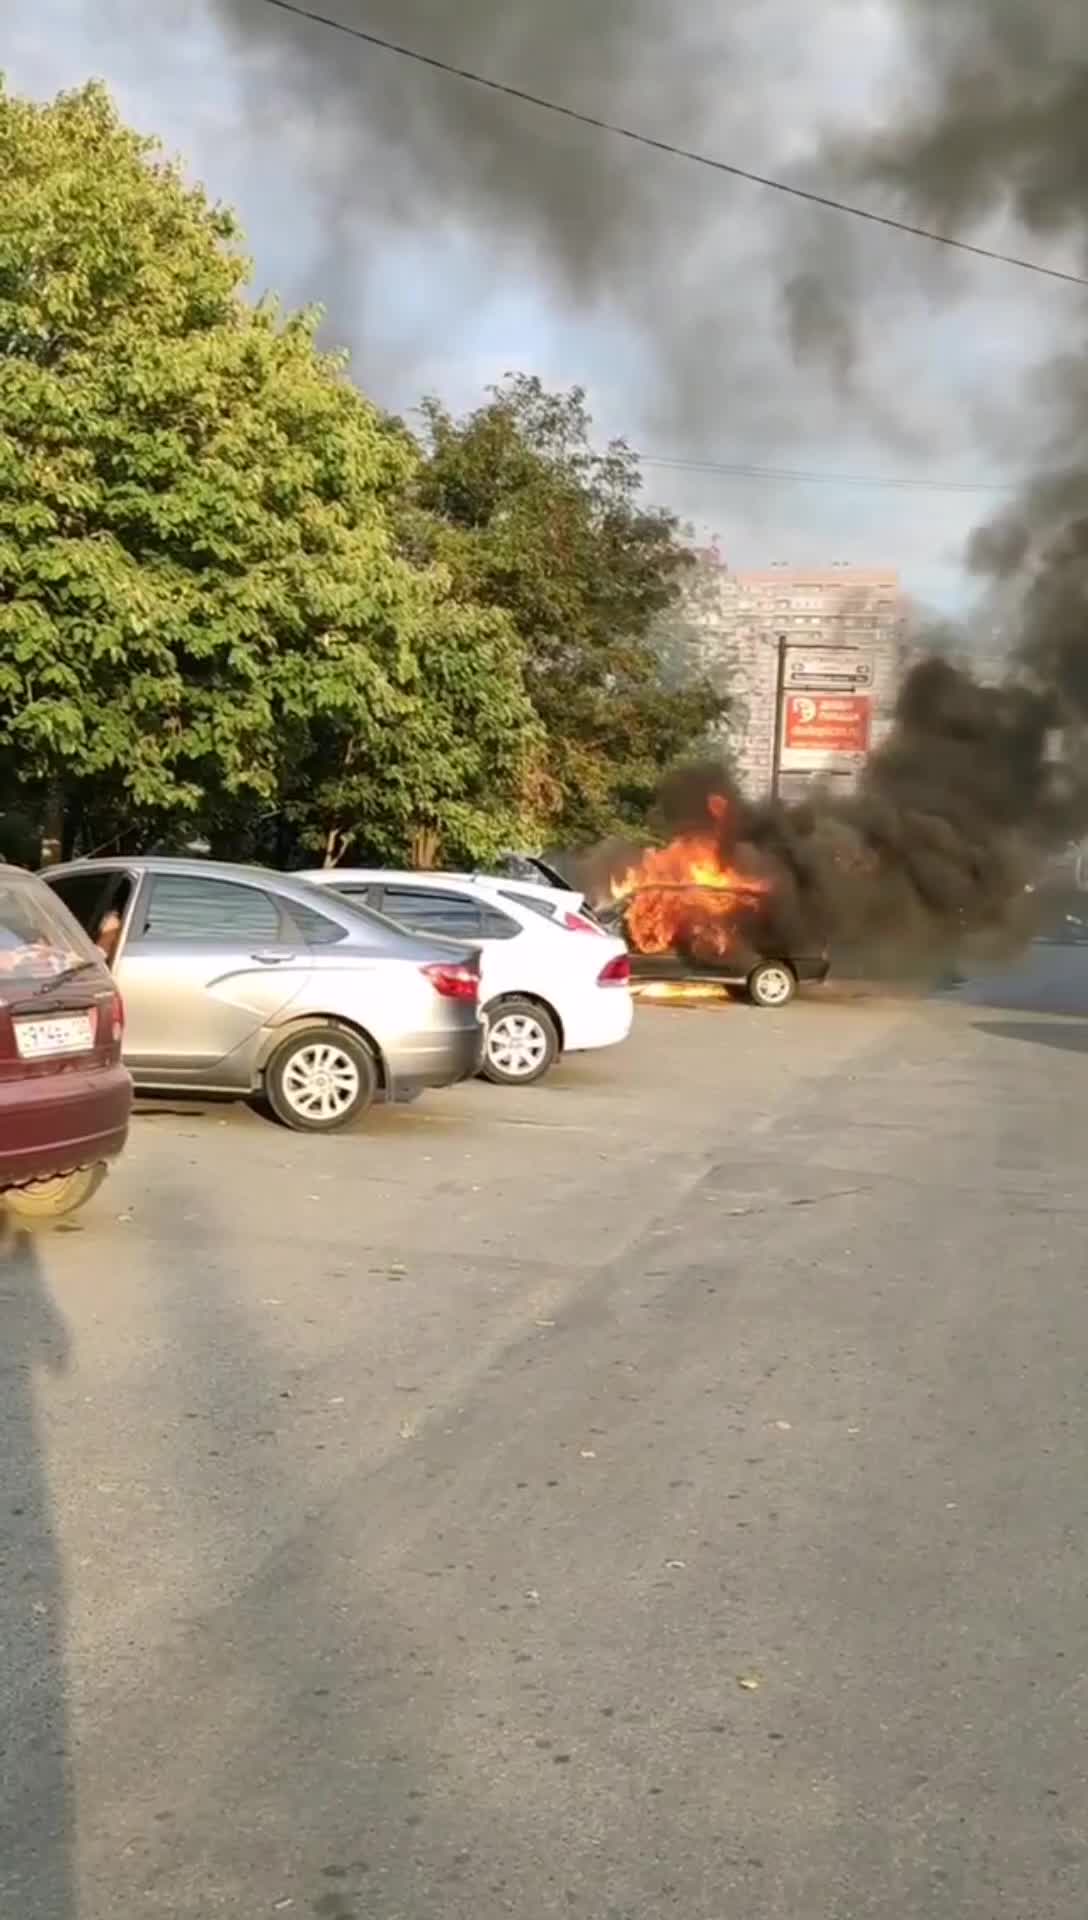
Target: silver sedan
240	981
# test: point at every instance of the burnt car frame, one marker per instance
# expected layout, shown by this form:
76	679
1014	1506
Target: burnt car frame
754	964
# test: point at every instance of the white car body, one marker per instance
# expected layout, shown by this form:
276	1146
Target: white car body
556	956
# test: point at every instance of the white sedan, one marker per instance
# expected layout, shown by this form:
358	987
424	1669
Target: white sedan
553	981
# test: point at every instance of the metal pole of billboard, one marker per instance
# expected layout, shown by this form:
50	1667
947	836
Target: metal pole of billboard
779	716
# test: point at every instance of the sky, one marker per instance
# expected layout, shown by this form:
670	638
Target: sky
452	237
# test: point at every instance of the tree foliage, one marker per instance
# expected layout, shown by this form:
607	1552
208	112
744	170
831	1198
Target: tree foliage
203	608
527	517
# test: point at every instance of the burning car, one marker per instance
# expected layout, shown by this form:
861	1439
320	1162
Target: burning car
689	918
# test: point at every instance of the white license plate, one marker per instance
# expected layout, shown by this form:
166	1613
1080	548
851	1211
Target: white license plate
65	1033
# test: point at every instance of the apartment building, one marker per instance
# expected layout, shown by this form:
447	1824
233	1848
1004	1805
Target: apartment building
813	657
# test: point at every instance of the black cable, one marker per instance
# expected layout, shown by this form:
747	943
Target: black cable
749	471
665	146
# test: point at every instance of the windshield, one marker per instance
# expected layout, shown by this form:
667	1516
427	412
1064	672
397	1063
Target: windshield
38	940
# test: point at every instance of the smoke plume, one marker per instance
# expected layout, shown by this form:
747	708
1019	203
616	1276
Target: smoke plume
975	784
933	852
690	272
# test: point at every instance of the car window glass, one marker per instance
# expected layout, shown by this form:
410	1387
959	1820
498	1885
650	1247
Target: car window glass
315	928
359	892
499	926
194	907
455	915
532	902
37	939
85	894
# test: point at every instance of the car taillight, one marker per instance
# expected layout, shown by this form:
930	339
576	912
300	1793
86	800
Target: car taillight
454	982
617	973
577	923
111	1021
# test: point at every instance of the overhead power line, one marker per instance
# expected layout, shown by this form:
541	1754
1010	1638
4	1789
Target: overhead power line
744	470
665	146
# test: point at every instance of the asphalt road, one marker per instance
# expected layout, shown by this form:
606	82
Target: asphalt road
660	1492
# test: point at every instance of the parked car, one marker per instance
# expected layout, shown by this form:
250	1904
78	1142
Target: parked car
251	983
64	1094
742	955
553	981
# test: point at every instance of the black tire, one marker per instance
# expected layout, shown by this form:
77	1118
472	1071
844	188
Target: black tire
772	984
523	1034
320	1079
53	1199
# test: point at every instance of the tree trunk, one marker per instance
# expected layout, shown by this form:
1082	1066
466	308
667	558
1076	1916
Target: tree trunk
53	825
425	844
337	842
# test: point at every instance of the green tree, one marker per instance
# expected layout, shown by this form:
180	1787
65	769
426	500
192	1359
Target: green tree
529	518
203	611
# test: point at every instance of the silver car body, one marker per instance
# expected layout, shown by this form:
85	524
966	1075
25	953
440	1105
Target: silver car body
217	964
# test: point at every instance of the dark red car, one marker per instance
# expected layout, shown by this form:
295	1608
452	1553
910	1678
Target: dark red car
64	1095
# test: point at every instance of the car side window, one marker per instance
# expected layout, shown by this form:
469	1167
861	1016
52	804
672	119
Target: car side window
190	907
316	930
499	926
457	916
85	894
361	893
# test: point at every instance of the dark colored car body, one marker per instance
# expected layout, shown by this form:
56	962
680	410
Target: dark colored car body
753	945
64	1106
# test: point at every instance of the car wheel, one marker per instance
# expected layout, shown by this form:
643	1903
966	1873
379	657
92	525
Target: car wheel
52	1199
319	1080
522	1044
772	985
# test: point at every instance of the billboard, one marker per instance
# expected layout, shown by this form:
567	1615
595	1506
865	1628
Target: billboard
827	670
825	732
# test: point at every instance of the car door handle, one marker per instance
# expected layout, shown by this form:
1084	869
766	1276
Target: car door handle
269	958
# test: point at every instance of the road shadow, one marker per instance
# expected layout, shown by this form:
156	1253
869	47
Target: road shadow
1069	1036
37	1810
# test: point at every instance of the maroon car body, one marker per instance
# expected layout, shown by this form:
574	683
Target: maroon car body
65	1097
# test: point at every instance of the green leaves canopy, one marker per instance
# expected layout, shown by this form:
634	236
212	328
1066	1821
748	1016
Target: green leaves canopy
528	518
201	597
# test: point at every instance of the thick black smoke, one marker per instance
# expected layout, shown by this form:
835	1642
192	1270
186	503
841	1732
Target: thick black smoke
988	138
698	277
975	784
934	851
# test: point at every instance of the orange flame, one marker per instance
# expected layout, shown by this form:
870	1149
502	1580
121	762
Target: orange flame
684	896
680	993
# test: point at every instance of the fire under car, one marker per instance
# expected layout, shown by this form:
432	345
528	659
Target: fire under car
686	933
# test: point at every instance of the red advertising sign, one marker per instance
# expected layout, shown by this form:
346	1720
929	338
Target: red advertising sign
827	723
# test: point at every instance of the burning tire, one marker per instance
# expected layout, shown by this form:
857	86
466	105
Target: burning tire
772	984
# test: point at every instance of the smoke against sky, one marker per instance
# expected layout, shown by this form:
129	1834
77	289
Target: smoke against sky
452	234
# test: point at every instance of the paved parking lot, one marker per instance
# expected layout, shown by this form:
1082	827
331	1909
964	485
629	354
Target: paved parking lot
656	1491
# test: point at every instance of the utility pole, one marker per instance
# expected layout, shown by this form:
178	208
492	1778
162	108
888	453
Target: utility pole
779	715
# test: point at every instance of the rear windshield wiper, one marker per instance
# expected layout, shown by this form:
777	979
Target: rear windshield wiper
69	973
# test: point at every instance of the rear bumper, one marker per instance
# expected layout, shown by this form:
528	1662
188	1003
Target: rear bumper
435	1059
604	1022
62	1121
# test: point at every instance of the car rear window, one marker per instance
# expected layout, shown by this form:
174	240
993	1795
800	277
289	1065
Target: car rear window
532	902
38	940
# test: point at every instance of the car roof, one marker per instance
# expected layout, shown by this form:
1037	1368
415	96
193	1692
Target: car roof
167	863
407	876
293	884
